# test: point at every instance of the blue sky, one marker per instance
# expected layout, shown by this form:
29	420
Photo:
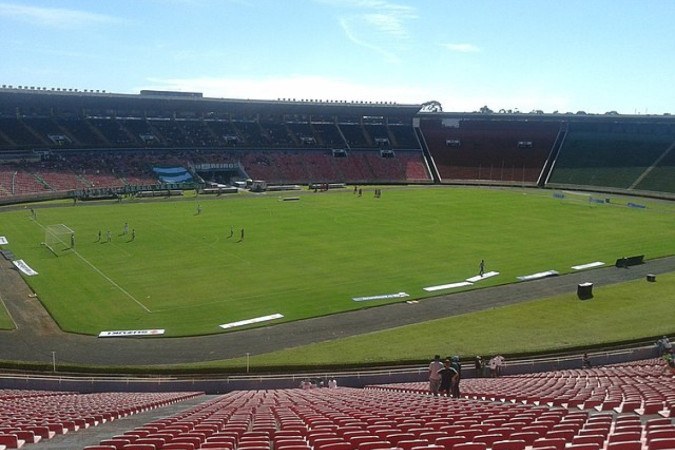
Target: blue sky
566	55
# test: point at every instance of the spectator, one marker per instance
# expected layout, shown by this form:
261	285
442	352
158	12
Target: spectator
449	378
492	367
447	373
585	362
457	366
663	346
501	365
435	367
478	366
669	359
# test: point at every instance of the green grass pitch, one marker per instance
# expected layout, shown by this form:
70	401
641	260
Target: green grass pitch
306	258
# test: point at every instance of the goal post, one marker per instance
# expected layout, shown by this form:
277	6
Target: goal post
59	238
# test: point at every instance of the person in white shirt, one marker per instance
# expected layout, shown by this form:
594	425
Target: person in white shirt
435	368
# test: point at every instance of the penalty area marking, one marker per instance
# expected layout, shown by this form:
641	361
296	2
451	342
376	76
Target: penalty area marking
225	326
482	277
588	266
447	286
106	277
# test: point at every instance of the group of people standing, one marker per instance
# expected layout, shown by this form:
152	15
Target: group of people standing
444	376
109	235
493	368
664	346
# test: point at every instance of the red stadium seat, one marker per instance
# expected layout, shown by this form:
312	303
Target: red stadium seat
511	444
374	445
589	439
395	438
178	446
625	445
587	446
27	436
558	443
11	441
334	446
450	441
627	436
117	443
528	436
660	433
135	446
661	444
470	446
408	444
489	439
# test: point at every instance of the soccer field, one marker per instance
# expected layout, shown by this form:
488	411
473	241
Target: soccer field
185	274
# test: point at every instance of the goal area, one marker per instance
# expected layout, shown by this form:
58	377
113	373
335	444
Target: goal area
58	238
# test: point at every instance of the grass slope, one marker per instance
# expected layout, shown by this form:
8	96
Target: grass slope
624	312
310	257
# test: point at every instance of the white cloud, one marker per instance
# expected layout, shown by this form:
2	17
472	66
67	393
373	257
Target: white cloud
53	17
378	25
462	48
351	30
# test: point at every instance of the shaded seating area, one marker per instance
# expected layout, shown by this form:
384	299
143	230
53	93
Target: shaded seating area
616	156
504	151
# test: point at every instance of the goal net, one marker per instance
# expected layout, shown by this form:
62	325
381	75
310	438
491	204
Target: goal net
58	238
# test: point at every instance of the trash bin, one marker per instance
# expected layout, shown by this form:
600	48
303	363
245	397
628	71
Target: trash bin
585	291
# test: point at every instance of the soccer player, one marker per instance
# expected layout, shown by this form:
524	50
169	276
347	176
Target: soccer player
108	236
242	235
199	209
72	240
99	236
126	228
481	268
133	234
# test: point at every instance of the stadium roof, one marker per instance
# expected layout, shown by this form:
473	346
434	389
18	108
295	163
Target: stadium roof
37	101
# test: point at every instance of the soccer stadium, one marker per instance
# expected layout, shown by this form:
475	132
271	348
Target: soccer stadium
182	272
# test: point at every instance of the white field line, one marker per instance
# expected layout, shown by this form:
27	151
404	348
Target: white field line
106	277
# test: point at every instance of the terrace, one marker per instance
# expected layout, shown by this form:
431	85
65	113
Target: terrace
584	409
614	158
500	151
